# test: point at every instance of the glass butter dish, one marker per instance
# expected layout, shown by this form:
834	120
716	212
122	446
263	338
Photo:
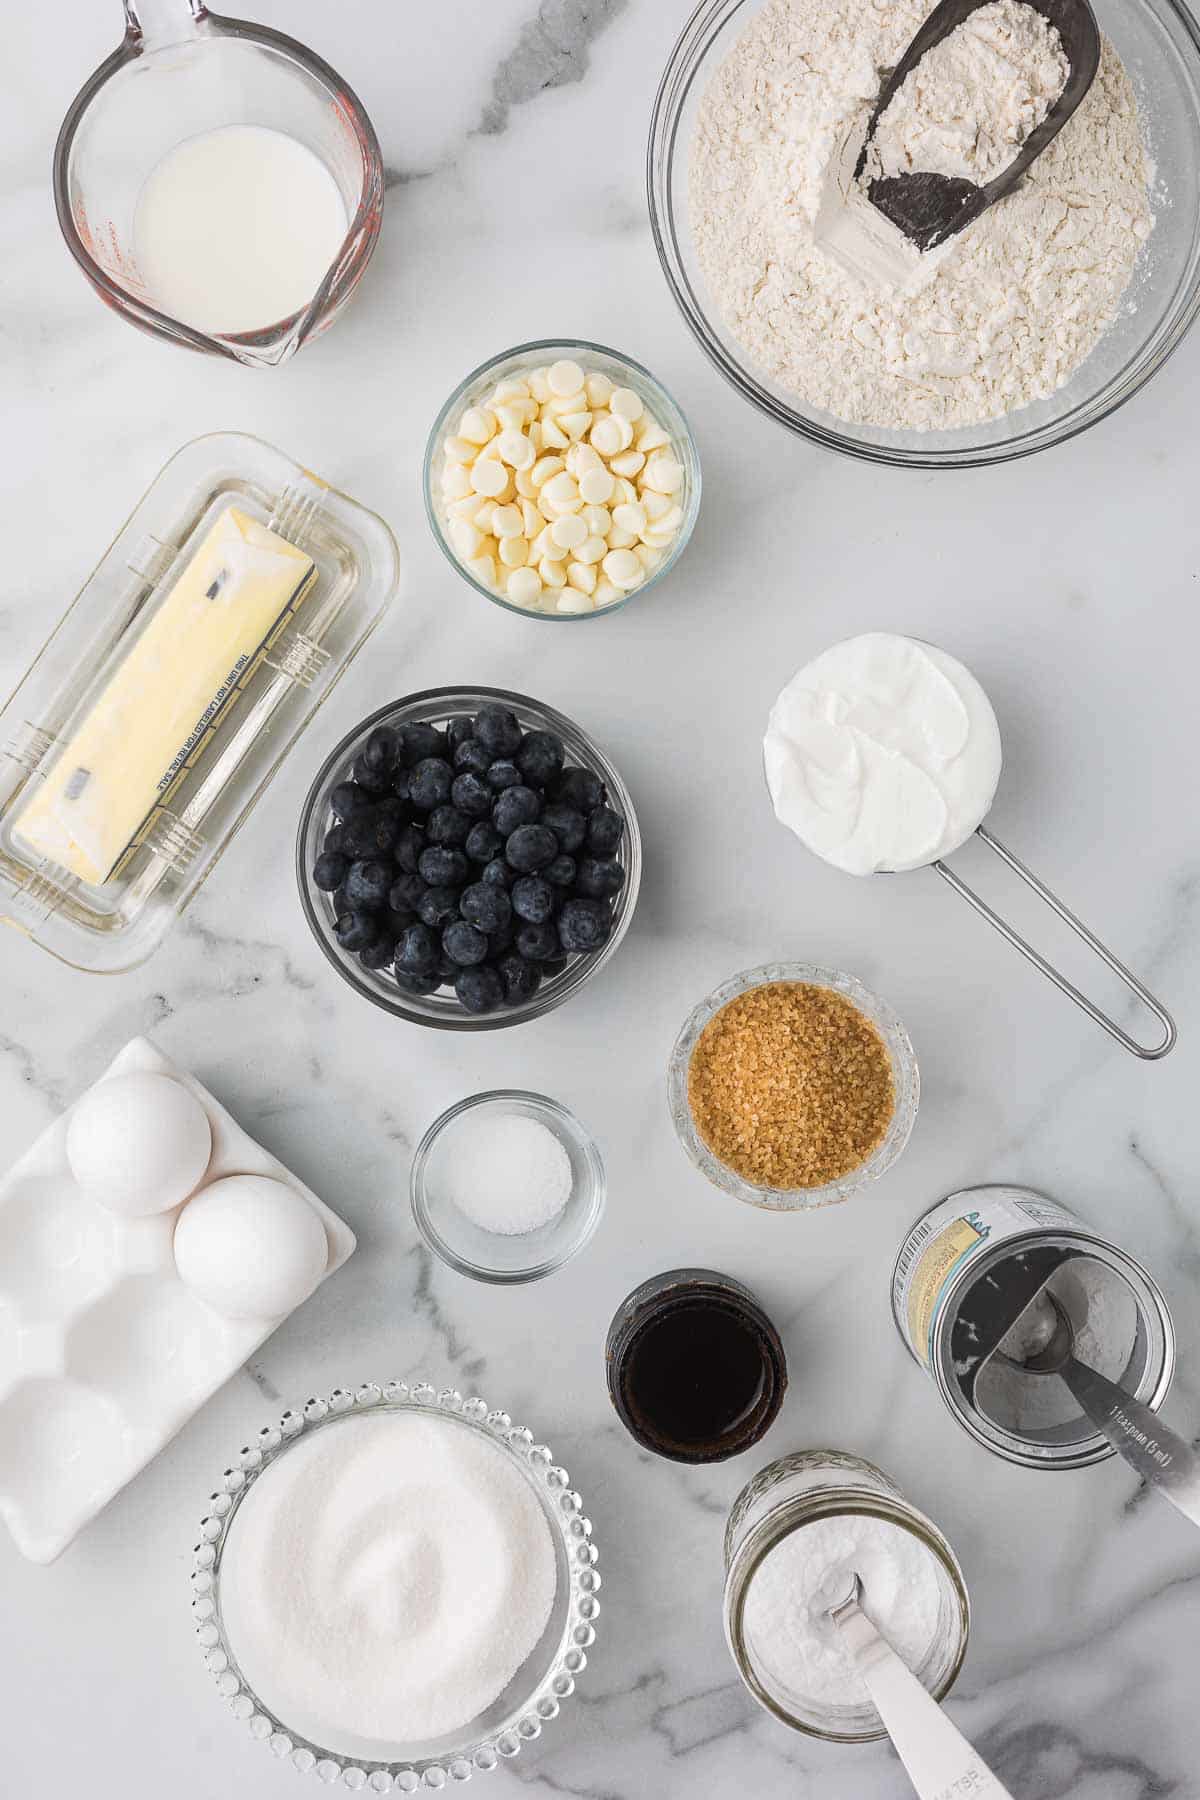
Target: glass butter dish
196	653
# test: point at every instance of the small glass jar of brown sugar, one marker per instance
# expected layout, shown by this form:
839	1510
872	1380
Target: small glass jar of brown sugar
696	1369
791	1086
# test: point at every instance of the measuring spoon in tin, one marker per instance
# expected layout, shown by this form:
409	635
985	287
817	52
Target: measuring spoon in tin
1046	1338
936	1755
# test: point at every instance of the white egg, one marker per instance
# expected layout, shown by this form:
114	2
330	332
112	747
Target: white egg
250	1247
138	1144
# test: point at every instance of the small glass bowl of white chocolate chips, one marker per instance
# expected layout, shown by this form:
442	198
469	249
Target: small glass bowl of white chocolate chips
561	480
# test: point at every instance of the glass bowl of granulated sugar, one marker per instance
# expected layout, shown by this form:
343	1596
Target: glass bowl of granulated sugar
1030	325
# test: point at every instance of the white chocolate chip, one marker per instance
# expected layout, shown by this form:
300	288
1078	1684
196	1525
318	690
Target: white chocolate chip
561	489
599	389
466	539
622	568
575	425
651	437
630	518
621	540
606	435
572	601
531	519
663	474
544	468
461	450
466	508
539	384
552	573
483	568
582	576
513	387
524	587
456	481
552	437
516	450
624	493
523	485
506	522
598	520
514	552
656	506
564	377
648	556
607	592
491	478
484	517
545	548
477	424
628	465
569	531
592	550
627	405
596	485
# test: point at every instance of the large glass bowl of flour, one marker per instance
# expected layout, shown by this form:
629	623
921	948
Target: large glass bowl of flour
1157	41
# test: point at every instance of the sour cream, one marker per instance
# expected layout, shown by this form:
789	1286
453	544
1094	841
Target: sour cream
882	754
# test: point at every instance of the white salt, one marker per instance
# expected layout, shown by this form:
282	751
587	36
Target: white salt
385	1579
507	1173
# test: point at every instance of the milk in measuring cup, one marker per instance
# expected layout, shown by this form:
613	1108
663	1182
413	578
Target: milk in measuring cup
235	229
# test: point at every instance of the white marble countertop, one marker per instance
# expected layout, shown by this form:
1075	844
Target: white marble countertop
514	137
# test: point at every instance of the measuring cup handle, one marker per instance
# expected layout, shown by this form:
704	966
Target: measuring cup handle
1148	1052
153	23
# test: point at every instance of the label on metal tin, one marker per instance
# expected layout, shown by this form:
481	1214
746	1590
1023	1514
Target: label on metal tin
951	1235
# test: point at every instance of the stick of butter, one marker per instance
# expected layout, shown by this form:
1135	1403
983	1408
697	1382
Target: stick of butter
168	696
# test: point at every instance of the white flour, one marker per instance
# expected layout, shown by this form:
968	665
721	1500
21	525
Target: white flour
1005	312
972	100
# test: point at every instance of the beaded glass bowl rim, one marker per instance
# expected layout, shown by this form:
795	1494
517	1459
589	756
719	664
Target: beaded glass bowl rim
429	705
588	1213
905	1075
670	416
563	1508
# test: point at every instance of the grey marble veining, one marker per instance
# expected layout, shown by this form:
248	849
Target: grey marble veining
514	136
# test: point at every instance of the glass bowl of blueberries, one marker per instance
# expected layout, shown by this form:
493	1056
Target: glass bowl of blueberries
468	858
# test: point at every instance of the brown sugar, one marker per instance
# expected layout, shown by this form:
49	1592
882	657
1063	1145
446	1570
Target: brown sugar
791	1086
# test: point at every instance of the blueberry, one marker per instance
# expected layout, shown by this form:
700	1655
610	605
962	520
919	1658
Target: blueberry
515	806
531	847
329	872
381	749
521	979
605	830
471	758
486	907
472	795
417	951
402	783
396	920
389	819
437	906
579	787
463	944
380	954
584	925
406	890
459	730
441	867
368	885
600	878
568	825
483	842
447	971
533	899
497	730
536	942
416	984
367	836
447	825
501	939
409	846
480	990
347	798
356	930
499	874
540	758
419	741
374	781
430	784
503	774
561	872
334	843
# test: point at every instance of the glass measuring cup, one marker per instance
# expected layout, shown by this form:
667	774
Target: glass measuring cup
181	70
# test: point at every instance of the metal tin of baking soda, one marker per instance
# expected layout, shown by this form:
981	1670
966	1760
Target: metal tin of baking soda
965	1273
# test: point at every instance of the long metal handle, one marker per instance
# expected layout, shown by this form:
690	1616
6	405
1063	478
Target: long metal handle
1158	1454
1148	1052
940	1762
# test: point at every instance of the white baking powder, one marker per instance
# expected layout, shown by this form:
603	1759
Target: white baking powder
1000	316
971	102
385	1579
507	1173
794	1645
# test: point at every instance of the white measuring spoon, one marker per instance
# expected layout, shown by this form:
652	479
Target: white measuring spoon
939	1760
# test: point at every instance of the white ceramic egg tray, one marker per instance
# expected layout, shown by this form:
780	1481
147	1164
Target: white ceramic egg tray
104	1353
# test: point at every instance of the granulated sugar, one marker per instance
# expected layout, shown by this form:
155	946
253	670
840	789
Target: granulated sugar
998	318
971	102
385	1580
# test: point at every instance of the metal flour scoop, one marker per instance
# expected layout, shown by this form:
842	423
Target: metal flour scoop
925	208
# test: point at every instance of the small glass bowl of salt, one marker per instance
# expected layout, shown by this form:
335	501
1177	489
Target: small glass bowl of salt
507	1186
